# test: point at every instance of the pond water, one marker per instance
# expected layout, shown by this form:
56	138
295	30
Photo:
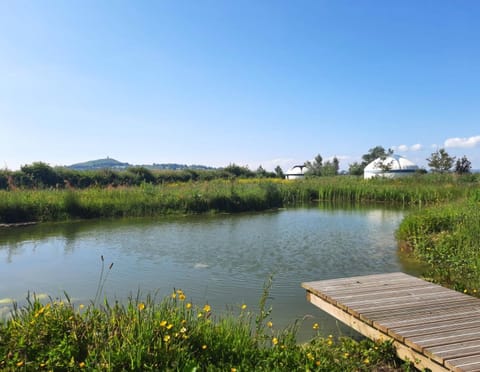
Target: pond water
220	259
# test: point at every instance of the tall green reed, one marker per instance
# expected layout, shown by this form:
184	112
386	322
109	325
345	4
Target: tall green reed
221	196
447	237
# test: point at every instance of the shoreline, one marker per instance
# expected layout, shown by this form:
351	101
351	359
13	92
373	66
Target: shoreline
17	224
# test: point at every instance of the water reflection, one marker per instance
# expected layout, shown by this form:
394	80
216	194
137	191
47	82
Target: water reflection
220	259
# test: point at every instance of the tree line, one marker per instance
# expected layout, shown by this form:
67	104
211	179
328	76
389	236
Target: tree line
439	162
42	175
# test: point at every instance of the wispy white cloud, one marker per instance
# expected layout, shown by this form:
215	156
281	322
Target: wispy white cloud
462	142
406	148
416	147
402	148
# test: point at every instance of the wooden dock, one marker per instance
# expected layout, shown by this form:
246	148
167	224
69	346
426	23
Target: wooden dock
431	326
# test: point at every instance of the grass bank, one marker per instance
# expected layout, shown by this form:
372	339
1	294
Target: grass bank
170	335
223	196
146	200
447	237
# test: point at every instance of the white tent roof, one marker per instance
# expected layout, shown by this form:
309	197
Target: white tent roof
392	166
394	162
297	170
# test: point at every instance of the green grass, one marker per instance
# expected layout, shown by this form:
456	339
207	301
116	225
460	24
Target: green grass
447	237
169	335
147	200
225	196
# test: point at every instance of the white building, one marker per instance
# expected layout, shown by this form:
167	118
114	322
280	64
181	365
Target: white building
296	172
391	167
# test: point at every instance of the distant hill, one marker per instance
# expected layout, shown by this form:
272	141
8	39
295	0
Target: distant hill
175	166
107	163
110	163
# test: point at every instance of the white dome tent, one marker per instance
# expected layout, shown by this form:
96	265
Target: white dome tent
392	166
296	172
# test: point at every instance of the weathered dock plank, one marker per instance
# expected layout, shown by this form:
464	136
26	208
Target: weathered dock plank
431	326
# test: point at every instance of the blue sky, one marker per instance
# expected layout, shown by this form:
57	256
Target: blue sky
247	82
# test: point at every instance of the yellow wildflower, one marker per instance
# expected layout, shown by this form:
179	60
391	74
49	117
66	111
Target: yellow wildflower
310	356
207	308
366	361
244	307
199	315
183	330
269	324
188	306
233	369
317	363
81	306
166	338
141	306
170	326
174	295
204	347
39	312
81	364
163	323
19	364
315	326
274	340
346	355
181	297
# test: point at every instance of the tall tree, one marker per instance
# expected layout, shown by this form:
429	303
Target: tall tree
330	168
355	169
372	154
315	167
440	161
463	165
375	153
279	172
261	172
